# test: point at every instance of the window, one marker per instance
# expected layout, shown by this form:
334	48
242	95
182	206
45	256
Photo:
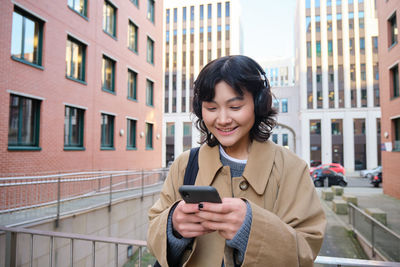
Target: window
133	37
219	10
167	16
309	49
108	74
318	47
149	93
396	124
284	105
317	4
330	49
308	24
109	18
150	10
75	59
184	13
27	37
73	128
201	11
79	6
227	9
149	136
107	131
362	45
361	19
308	3
150	50
131	130
192	13
317	23
392	27
275	104
23	130
394	75
275	138
209	11
132	84
135	2
285	140
175	15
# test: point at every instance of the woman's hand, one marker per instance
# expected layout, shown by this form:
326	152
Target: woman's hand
226	218
186	222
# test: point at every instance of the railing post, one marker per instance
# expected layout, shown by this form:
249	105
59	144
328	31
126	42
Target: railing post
72	252
373	238
51	251
140	256
11	249
31	261
116	255
58	201
142	181
109	204
94	254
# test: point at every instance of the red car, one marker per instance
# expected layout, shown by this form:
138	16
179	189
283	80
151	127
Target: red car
333	166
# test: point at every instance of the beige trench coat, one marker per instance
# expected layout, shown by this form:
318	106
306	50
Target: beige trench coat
288	222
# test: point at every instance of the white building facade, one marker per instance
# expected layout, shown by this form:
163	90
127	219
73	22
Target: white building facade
280	73
337	74
195	32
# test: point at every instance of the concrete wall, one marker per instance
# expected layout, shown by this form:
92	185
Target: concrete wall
127	219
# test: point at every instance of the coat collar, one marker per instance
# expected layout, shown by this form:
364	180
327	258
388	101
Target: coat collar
257	171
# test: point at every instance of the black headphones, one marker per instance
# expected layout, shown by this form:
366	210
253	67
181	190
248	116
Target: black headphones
262	103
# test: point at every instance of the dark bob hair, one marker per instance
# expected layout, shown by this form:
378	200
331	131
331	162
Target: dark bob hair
241	73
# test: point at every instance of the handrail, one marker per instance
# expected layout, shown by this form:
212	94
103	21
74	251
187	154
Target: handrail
374	220
354	262
141	243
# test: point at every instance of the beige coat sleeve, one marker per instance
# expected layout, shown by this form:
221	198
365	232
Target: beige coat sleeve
158	214
292	234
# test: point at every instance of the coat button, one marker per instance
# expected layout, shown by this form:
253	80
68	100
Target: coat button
244	185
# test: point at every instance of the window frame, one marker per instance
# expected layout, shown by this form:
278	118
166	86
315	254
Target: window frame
83	63
38	63
81	119
150	50
396	134
394	81
392	37
103	145
36	107
135	47
103	74
149	136
285	107
132	95
131	143
84	14
151	10
112	34
149	98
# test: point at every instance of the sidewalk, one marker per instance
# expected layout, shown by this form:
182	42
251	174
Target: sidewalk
338	242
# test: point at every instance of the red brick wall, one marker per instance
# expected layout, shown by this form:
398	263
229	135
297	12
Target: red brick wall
390	107
56	90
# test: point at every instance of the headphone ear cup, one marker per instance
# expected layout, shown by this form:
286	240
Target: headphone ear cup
260	105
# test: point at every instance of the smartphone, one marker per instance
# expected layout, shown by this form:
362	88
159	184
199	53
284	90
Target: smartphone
197	194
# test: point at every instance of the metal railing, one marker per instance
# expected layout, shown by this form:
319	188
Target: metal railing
378	237
21	193
11	249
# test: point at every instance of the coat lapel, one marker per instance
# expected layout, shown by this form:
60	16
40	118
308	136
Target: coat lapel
209	164
259	165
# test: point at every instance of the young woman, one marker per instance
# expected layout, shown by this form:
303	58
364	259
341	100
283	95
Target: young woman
270	214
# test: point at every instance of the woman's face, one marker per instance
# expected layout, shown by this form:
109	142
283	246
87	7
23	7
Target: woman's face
230	117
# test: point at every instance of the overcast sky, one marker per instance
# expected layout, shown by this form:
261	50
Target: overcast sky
268	28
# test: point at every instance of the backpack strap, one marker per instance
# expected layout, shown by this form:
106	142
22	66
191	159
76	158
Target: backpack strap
192	167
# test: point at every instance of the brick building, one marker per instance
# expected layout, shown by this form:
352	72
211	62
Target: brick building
389	60
80	85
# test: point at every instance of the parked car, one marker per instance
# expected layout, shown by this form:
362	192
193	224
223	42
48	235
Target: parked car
314	165
371	173
377	179
334	178
336	167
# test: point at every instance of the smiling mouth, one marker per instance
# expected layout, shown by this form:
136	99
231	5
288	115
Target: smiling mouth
226	131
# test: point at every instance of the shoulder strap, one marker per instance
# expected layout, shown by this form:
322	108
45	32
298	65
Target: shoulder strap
192	167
